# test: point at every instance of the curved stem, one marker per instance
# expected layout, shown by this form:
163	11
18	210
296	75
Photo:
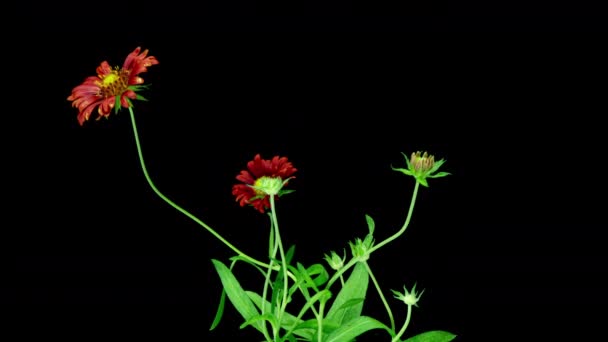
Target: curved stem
352	262
388	308
180	209
407	221
407	322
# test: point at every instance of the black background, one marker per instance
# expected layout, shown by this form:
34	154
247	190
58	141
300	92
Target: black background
510	246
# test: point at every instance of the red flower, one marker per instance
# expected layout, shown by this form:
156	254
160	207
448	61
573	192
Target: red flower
111	88
260	173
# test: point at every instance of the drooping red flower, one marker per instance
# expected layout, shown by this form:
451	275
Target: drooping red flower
112	88
261	174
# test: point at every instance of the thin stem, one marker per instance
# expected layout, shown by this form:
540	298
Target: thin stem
277	236
339	272
353	261
265	290
310	301
320	321
180	209
272	255
407	322
264	328
388	308
407	221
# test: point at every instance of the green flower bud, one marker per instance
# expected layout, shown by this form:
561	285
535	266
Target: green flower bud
334	261
409	298
360	248
422	166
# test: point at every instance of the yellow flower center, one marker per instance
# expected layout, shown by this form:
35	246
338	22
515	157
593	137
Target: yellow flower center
115	83
267	185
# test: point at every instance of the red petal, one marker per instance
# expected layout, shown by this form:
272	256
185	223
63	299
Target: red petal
245	177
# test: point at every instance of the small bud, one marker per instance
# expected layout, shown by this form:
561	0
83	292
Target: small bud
409	298
360	248
421	166
334	261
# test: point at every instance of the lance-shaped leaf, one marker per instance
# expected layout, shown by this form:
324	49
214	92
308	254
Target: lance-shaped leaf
236	294
354	289
432	336
355	327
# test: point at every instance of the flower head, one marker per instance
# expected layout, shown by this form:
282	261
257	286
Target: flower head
112	87
409	298
422	166
361	248
335	261
262	179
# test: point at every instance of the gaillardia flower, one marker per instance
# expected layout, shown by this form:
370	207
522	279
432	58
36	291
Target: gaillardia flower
262	179
112	88
422	166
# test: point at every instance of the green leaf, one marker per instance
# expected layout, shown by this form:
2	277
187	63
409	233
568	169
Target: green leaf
432	336
288	319
278	283
370	224
289	254
236	258
306	277
437	165
440	174
422	180
405	171
321	274
259	318
220	311
301	328
313	325
354	288
277	286
277	289
285	192
291	338
299	280
117	105
351	302
140	98
348	331
407	161
236	294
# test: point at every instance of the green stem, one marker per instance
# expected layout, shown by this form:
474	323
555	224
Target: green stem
265	291
339	272
277	236
320	321
407	222
180	209
309	304
264	328
388	308
353	261
407	322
